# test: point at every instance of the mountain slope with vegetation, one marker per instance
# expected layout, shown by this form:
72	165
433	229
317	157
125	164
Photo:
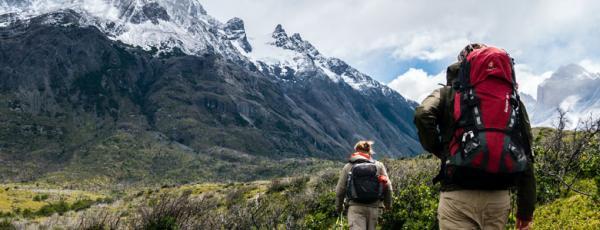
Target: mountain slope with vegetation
78	104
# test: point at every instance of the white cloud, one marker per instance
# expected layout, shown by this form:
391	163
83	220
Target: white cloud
416	84
590	65
541	34
430	47
529	80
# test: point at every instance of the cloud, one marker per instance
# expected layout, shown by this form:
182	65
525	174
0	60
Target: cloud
541	34
430	47
416	84
529	80
590	65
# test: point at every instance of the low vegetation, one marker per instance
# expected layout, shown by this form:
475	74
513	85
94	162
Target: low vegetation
567	172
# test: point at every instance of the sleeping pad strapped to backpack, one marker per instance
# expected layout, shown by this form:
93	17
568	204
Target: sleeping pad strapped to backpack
486	148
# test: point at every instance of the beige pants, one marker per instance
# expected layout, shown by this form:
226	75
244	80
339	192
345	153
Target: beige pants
362	217
474	209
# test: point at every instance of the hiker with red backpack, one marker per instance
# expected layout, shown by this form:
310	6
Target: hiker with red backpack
363	187
479	128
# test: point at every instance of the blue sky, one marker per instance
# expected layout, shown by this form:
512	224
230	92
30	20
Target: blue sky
407	44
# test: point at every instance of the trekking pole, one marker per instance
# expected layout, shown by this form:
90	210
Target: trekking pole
340	221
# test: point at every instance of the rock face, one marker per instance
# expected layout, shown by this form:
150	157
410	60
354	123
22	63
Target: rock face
572	89
76	83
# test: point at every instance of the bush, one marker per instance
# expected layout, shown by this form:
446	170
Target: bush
6	214
322	214
40	197
413	207
81	205
59	207
27	213
277	185
292	185
105	200
170	211
162	223
102	220
575	212
6	224
563	157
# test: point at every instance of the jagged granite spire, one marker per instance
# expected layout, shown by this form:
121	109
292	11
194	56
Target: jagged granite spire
294	43
234	29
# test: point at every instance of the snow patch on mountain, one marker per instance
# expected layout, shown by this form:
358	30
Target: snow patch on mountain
572	89
166	26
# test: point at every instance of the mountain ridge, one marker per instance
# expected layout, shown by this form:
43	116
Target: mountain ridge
572	89
93	103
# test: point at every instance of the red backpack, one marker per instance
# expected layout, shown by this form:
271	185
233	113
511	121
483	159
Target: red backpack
486	145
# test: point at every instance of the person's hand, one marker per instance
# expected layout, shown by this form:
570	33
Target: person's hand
524	224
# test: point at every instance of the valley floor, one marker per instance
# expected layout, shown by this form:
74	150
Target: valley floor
299	202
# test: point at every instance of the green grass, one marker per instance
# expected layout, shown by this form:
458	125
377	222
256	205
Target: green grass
17	198
307	198
575	212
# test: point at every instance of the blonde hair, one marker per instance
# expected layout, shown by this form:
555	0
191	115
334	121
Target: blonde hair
364	146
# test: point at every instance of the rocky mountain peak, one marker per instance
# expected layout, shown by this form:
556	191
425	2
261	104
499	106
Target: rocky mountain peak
296	37
571	88
234	30
165	67
281	37
149	12
570	70
279	31
294	43
235	24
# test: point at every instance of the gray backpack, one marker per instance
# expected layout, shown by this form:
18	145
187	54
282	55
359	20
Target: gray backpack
363	185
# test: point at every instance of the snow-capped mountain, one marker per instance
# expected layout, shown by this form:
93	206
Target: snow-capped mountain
172	25
78	78
572	89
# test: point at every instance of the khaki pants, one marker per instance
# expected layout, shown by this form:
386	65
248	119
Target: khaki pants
362	217
474	209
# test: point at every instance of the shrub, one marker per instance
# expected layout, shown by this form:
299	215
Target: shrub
290	185
81	205
170	211
277	185
413	207
6	224
162	223
322	214
27	213
101	220
59	207
105	200
575	212
40	197
563	157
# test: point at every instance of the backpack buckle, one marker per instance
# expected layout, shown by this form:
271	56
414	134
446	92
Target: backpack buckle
466	135
469	142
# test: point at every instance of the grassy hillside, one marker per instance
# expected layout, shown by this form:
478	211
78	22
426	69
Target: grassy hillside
305	202
300	194
301	201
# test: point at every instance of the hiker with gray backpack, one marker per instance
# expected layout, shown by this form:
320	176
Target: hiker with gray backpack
364	188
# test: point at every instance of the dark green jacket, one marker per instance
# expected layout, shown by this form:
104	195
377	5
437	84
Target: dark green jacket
433	119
